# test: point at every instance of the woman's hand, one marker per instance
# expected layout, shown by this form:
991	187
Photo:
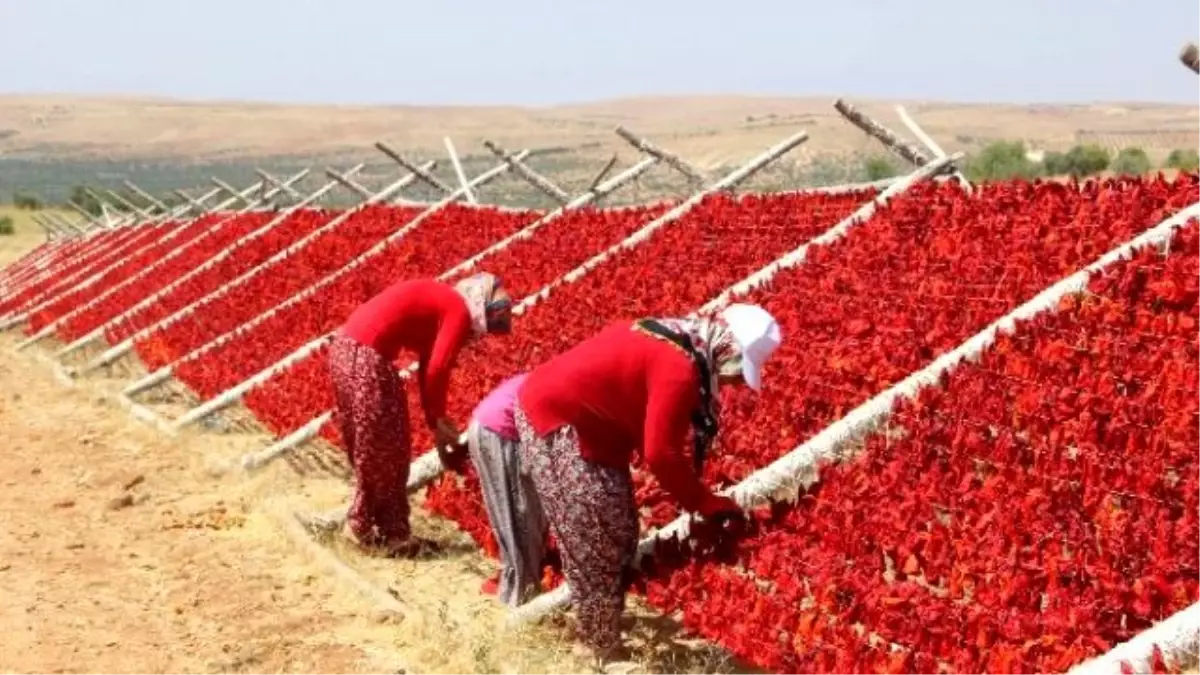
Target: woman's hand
452	454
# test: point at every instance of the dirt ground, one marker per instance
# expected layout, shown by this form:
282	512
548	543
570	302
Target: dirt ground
126	550
120	553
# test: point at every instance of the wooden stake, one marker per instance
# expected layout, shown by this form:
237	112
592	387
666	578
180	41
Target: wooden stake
930	144
693	175
162	208
349	184
425	176
535	179
603	172
275	182
458	170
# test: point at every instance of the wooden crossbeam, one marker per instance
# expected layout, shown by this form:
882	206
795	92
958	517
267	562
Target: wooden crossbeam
232	191
272	180
534	178
694	176
603	172
162	208
133	208
428	178
352	185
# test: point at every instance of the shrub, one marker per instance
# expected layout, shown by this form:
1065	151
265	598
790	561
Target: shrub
26	201
1002	160
6	225
1131	161
1184	160
878	167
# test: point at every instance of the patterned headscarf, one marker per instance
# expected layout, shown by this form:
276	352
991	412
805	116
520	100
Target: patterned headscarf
478	291
710	345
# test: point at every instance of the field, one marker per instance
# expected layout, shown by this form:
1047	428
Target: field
976	451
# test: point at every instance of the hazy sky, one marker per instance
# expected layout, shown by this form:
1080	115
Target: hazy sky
544	51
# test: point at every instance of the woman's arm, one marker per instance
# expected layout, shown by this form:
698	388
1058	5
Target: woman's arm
668	418
435	371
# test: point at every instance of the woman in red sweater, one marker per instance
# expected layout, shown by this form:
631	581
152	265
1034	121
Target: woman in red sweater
582	415
432	320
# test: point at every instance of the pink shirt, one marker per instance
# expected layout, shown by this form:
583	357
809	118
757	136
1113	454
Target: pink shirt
495	412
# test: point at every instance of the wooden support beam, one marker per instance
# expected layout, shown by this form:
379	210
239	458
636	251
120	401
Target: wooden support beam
349	183
458	170
133	208
162	208
188	198
91	220
420	173
882	134
268	178
65	224
534	178
694	176
603	172
930	144
124	219
233	192
51	230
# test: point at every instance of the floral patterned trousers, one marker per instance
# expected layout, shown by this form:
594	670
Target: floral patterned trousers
372	414
591	511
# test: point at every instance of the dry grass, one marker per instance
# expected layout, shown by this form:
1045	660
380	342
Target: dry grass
27	234
709	130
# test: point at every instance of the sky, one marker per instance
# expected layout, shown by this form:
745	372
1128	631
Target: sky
542	52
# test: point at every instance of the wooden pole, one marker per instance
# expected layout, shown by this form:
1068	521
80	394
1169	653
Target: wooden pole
162	208
603	172
420	173
535	179
458	170
930	144
694	176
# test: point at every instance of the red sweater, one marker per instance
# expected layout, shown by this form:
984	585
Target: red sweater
421	315
622	390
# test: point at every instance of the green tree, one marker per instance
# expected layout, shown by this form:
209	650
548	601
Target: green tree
1184	160
6	225
1002	160
26	201
1055	163
878	167
1131	161
84	200
1087	160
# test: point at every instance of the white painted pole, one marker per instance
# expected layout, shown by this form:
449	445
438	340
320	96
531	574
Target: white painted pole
929	144
458	170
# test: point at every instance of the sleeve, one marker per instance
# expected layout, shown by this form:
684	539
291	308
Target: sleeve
668	418
435	367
